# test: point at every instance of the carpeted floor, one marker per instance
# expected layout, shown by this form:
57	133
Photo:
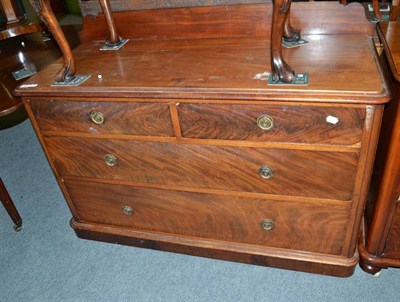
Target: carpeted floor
47	262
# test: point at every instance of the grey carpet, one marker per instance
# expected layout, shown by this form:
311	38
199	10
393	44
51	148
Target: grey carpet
47	262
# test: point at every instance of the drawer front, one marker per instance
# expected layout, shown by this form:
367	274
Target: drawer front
295	172
306	227
148	119
291	124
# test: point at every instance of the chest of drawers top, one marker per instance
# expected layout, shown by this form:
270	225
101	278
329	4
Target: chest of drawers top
339	67
222	52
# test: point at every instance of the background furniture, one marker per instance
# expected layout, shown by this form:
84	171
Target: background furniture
15	21
23	49
393	13
177	142
13	56
380	244
10	207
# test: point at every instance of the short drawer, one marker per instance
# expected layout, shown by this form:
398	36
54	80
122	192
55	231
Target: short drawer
148	119
273	123
284	224
285	172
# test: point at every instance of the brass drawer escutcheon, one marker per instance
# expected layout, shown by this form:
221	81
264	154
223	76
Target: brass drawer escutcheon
267	224
97	117
265	122
128	211
110	160
266	172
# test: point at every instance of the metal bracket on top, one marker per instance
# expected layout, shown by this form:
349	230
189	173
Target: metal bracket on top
75	81
116	46
291	44
300	79
23	73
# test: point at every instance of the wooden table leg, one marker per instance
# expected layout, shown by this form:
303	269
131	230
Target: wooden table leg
113	38
10	207
67	72
280	28
377	11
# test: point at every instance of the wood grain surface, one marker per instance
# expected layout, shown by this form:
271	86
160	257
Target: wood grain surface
306	227
222	68
300	124
328	175
119	117
224	20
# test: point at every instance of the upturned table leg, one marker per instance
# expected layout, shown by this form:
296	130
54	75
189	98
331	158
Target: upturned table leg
114	38
67	71
289	32
281	27
10	207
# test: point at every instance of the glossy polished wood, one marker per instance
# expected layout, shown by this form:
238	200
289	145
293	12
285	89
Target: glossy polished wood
226	218
229	68
119	117
252	20
379	248
239	122
297	173
281	28
219	193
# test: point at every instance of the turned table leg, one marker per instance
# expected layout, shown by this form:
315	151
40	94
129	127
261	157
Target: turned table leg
114	40
114	37
377	11
10	207
281	27
67	71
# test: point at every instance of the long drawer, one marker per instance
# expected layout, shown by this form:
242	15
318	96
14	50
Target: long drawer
306	227
285	172
273	123
133	118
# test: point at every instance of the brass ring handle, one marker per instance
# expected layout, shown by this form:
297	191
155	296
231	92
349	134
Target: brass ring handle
97	117
267	224
128	211
265	122
266	172
110	160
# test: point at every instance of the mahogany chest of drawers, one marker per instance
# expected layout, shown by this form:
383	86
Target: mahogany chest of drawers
180	145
